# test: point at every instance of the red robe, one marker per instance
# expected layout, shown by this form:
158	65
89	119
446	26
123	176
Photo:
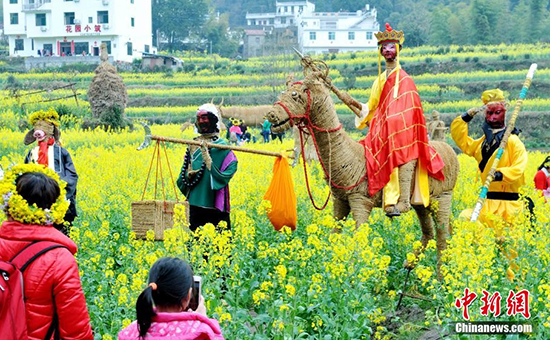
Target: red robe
398	134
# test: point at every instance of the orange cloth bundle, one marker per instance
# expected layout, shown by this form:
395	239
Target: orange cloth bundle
282	196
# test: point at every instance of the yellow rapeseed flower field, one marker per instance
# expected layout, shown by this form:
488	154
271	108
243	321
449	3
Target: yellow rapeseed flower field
306	284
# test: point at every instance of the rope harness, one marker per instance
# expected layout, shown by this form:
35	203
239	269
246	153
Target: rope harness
157	155
305	125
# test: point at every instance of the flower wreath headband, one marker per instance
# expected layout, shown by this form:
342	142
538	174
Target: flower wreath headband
19	209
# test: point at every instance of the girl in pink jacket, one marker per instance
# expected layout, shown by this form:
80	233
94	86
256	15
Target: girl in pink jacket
170	289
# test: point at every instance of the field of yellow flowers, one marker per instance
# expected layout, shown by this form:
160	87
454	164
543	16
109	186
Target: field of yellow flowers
306	284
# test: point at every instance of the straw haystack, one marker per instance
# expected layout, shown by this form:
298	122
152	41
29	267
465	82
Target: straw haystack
107	92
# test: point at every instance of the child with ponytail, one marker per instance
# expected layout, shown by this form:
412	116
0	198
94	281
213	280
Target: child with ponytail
163	307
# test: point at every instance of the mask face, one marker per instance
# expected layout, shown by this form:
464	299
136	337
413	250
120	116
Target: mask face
389	51
206	122
495	115
43	130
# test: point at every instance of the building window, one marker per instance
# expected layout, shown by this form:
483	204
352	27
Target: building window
271	21
257	40
19	45
47	50
108	43
369	35
132	1
14	18
133	22
351	35
312	35
69	18
41	19
102	17
81	48
130	49
331	35
283	20
286	8
146	48
13	1
90	20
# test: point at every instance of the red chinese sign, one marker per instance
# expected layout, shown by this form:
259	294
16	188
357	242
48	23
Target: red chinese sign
516	303
90	29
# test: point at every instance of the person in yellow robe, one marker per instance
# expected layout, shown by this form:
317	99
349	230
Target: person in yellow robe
503	196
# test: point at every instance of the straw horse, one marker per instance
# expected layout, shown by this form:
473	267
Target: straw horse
309	106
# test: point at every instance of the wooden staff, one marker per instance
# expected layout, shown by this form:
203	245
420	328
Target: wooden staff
353	104
149	137
491	176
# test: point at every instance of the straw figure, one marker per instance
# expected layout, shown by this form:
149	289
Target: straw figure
436	127
310	107
107	93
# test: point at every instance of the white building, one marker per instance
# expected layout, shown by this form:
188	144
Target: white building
338	32
286	14
78	27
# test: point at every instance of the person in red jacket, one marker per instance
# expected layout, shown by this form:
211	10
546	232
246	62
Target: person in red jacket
51	283
542	178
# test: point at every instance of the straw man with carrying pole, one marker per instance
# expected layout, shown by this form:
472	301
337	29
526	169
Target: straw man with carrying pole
205	174
208	166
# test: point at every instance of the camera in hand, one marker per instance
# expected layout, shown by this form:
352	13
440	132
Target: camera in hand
196	293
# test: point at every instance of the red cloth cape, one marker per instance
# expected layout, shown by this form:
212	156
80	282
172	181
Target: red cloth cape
398	134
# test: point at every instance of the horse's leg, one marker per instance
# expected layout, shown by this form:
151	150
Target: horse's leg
442	219
341	210
427	231
361	206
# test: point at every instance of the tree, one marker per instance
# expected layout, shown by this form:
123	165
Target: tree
216	33
520	22
439	26
415	23
457	31
176	20
537	10
481	29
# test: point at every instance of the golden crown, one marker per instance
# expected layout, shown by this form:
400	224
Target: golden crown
390	35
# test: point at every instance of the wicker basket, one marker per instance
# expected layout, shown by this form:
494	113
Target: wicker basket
154	215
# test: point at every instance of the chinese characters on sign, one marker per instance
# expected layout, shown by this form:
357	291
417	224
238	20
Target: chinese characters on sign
516	303
79	29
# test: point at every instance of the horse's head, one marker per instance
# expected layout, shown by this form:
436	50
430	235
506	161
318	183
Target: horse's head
294	105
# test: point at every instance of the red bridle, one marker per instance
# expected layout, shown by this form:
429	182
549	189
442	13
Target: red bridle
306	124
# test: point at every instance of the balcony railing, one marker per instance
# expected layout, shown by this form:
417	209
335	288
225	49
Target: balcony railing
30	5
